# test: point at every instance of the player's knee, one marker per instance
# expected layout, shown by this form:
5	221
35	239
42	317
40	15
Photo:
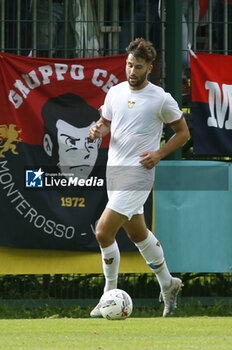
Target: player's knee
103	240
136	236
98	233
100	237
104	237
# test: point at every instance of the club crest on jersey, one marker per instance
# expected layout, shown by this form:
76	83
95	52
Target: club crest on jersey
131	104
109	261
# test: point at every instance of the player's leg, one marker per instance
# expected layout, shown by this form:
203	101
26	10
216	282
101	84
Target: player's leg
152	252
148	246
106	230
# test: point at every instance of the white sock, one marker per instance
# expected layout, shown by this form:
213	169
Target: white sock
163	276
152	252
110	264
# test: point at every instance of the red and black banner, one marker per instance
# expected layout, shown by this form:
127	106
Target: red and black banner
212	100
52	176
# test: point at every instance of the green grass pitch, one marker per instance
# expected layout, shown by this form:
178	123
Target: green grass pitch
193	333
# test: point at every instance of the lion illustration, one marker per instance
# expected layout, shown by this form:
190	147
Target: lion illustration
8	135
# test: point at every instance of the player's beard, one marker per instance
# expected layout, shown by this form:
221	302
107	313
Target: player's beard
139	81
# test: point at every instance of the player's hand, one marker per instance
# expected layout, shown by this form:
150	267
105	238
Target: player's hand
95	131
150	159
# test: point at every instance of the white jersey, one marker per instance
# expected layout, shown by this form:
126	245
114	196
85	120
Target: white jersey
137	118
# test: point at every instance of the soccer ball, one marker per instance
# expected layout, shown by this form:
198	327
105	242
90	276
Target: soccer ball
116	304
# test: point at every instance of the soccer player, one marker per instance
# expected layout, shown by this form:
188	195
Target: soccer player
134	112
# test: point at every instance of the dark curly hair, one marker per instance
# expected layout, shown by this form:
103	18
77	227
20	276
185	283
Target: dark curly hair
143	49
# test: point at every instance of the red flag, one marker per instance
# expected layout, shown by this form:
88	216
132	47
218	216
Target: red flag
27	83
212	101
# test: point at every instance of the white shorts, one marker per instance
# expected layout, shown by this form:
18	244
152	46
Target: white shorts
128	189
127	203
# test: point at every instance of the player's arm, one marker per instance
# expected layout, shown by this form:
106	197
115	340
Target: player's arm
181	135
100	129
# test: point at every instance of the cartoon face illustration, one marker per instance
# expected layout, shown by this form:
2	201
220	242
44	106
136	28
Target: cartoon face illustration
77	152
67	119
